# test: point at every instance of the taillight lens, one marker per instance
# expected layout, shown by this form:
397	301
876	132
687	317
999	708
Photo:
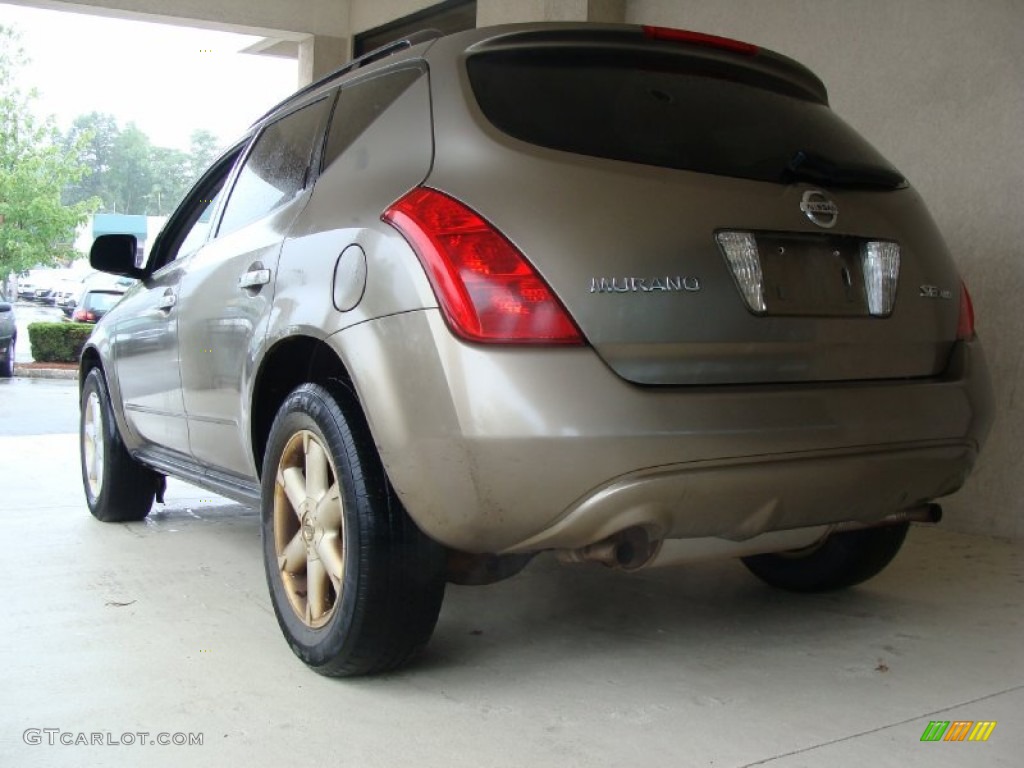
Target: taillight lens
965	327
699	38
487	289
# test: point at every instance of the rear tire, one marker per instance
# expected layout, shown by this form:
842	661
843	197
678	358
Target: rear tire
117	488
842	560
355	585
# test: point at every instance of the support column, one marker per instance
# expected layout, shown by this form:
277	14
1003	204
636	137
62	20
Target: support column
319	55
608	11
489	12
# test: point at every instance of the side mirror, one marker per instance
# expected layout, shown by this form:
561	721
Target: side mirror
5	307
115	254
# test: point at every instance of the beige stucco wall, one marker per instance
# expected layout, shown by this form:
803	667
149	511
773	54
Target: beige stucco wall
938	86
367	14
508	11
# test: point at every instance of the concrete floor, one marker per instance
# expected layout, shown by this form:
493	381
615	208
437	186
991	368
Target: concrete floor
166	626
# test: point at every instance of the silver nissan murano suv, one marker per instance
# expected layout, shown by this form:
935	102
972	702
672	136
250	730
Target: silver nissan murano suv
632	295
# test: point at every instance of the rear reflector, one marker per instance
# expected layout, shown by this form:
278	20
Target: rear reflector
881	263
965	326
740	249
699	38
487	289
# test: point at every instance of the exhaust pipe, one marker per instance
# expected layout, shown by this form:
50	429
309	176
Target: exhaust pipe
627	550
930	513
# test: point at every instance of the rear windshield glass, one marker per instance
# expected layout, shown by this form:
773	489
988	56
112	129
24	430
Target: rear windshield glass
672	112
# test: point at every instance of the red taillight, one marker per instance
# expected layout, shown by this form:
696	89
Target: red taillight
965	327
83	316
699	38
487	289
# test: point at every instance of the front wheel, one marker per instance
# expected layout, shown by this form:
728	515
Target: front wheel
355	585
841	560
117	488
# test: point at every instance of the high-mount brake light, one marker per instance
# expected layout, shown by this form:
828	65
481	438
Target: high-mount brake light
965	325
699	38
487	289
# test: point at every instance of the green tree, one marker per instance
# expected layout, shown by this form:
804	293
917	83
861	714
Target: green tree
172	176
127	172
36	227
131	176
203	150
94	134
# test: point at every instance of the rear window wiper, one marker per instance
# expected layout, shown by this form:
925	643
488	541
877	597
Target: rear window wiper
807	166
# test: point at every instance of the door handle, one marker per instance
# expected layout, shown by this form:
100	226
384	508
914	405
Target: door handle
167	301
254	278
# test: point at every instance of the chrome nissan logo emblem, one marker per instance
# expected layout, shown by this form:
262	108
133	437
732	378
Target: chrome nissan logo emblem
819	209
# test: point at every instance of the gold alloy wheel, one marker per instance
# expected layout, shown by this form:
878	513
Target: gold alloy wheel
92	444
308	539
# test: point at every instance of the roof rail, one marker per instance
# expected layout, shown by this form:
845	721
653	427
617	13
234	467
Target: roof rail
388	49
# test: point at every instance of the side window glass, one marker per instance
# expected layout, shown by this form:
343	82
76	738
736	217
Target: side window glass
187	228
197	234
277	168
360	104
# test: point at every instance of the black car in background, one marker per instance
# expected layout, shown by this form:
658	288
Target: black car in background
95	305
8	336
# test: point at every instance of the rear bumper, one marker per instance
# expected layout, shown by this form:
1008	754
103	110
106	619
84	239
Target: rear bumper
740	499
505	450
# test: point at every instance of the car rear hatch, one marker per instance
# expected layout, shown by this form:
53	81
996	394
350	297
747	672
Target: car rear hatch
696	206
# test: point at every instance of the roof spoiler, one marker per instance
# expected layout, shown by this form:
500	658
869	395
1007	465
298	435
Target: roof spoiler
388	49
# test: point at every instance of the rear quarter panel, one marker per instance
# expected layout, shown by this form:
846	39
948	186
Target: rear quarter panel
390	158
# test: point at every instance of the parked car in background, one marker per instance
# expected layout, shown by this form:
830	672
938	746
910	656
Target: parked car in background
70	292
46	282
43	295
632	295
65	293
8	336
26	285
95	304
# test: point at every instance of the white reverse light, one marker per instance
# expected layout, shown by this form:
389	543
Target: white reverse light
881	264
740	249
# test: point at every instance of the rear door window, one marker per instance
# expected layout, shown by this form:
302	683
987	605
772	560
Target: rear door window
672	112
360	104
277	169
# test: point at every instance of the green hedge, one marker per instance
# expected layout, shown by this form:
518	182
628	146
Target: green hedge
58	342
